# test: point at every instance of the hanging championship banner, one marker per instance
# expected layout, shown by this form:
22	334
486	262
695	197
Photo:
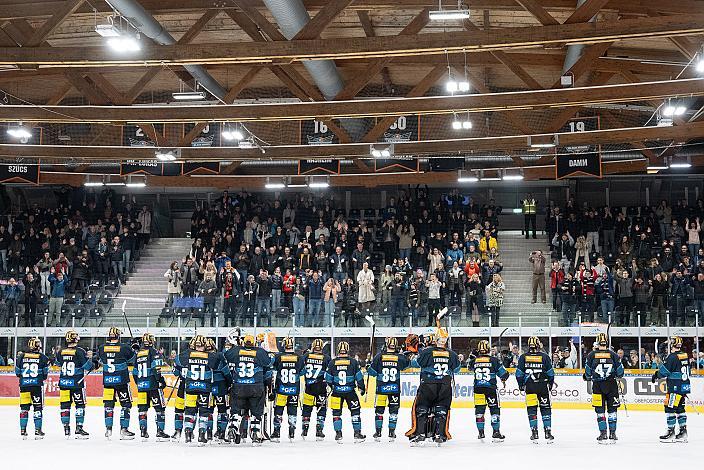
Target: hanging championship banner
203	167
579	160
19	173
134	136
150	167
317	166
398	163
314	132
404	129
208	137
34	139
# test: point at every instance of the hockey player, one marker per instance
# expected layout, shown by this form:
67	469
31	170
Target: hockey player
32	369
315	363
343	374
438	365
220	390
196	368
387	367
115	357
251	373
675	371
602	367
289	370
150	387
74	363
536	377
486	368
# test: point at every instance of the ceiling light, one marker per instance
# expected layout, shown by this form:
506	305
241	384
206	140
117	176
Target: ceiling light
136	182
466	124
319	184
680	165
166	155
456	125
124	43
232	133
513	177
19	132
107	30
700	65
463	86
115	183
542	143
657	167
188	95
491	178
274	184
246	144
381	152
664	121
93	183
452	86
441	14
466	177
385	153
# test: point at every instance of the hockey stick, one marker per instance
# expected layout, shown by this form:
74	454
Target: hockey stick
370	320
124	315
498	341
696	410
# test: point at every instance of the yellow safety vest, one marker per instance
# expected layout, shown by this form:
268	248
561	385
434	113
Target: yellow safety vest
529	206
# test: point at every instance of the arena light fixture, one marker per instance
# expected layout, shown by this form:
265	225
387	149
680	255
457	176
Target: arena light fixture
134	181
680	163
232	132
464	176
459	124
657	167
191	95
93	183
274	184
512	175
318	182
246	144
378	151
167	155
699	66
20	132
673	108
124	43
543	142
443	14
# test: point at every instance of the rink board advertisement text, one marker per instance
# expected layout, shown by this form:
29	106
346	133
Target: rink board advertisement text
571	391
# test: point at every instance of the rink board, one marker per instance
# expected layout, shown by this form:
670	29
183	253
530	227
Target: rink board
571	391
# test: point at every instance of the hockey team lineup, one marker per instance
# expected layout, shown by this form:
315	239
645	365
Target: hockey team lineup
242	392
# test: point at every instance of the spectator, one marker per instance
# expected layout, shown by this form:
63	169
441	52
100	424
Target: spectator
208	290
145	230
569	293
315	298
349	301
249	297
693	230
12	297
58	281
604	289
557	275
365	283
45	264
398	299
434	287
31	295
230	293
624	296
359	257
189	277
563	249
263	305
537	261
679	295
529	207
331	289
475	299
117	259
405	234
495	298
173	287
277	283
298	292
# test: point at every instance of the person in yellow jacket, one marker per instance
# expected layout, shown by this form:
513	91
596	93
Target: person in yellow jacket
529	207
486	243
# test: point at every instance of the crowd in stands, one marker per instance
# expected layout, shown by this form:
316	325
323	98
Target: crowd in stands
305	255
627	263
47	254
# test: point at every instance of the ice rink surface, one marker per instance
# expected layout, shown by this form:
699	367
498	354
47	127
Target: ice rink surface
575	446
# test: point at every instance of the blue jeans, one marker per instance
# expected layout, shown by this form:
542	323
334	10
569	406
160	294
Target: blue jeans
568	312
607	306
397	310
314	311
263	309
275	299
404	253
299	310
329	312
339	276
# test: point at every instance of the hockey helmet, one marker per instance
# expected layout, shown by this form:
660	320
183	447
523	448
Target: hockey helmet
288	343
391	344
233	337
198	341
248	341
412	343
602	340
114	333
441	337
317	345
676	342
483	347
34	344
210	345
148	339
343	348
72	337
534	343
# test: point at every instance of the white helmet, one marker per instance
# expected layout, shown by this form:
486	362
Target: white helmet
233	336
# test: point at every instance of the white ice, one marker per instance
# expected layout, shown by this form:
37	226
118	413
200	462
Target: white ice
575	446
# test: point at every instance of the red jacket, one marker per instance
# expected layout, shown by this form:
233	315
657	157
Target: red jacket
556	278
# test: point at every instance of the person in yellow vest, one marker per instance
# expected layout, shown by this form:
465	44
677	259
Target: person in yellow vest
530	208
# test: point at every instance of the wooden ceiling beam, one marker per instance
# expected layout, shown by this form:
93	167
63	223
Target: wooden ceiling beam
369	47
322	19
693	130
67	8
536	9
586	11
534	99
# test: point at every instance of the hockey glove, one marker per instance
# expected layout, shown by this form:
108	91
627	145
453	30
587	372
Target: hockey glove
585	378
136	344
655	377
162	382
